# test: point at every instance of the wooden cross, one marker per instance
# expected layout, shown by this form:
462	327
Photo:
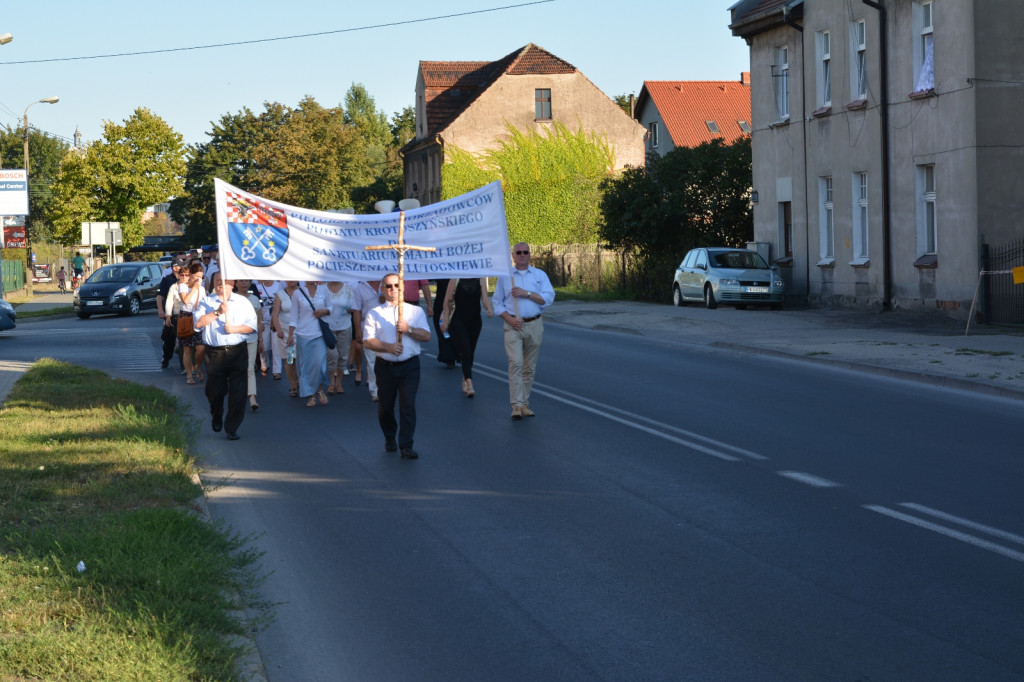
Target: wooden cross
401	247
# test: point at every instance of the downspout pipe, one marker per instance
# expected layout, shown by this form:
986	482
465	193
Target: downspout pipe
787	19
883	108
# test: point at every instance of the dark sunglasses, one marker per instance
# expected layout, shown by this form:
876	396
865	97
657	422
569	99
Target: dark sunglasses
522	253
391	286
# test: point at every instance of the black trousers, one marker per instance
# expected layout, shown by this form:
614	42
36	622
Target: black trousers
465	331
227	375
397	381
445	349
169	337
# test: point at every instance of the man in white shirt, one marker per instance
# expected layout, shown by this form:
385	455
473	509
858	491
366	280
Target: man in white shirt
520	302
397	367
226	319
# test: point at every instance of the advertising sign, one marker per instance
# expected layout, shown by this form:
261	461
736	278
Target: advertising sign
14	232
13	191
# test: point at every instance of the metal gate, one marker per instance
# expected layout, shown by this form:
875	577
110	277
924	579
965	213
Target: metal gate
1003	300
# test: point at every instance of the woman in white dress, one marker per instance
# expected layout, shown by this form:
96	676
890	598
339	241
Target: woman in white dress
279	316
339	300
183	298
310	350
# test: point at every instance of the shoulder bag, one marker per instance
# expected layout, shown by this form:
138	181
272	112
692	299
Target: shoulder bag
330	340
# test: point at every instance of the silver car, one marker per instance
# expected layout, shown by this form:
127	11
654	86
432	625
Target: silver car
722	275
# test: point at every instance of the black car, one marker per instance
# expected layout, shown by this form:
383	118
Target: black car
124	288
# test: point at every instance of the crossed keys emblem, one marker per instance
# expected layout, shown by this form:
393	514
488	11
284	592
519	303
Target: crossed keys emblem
255	240
257	235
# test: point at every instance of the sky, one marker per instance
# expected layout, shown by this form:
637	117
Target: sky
617	45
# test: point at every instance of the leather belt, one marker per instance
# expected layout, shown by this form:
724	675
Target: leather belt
394	362
531	319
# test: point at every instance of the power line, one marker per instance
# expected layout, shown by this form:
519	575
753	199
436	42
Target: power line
280	38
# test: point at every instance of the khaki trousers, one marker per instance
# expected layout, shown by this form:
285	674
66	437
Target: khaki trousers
522	348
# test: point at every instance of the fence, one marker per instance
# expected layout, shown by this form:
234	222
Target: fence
583	267
13	274
1002	300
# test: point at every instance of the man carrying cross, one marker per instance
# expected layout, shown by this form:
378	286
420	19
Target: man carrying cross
397	367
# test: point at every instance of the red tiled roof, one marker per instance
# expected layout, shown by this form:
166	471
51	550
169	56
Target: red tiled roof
687	106
450	87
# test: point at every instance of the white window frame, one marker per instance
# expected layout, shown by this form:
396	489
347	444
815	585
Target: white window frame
780	76
826	220
927	213
824	67
653	138
923	23
858	60
861	224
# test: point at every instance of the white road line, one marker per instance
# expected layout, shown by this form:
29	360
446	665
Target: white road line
809	479
949	532
964	522
635	421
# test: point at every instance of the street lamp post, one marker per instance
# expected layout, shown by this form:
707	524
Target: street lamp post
28	239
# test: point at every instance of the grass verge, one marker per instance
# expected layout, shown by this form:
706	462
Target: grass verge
60	310
95	470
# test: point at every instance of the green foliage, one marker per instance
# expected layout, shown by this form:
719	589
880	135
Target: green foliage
229	155
697	196
137	164
403	127
623	102
551	182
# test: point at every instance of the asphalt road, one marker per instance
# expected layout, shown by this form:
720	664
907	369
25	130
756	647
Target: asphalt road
673	512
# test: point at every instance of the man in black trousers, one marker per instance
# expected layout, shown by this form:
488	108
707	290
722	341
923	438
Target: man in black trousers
226	318
168	332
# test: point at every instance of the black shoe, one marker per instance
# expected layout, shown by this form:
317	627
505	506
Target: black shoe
409	453
164	363
217	424
233	436
390	445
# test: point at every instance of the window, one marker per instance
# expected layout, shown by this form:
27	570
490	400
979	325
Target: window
653	137
926	220
858	62
744	126
542	100
713	127
924	48
786	228
781	77
824	42
826	221
860	219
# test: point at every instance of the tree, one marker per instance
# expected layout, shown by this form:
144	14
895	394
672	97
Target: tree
229	155
45	154
137	164
403	127
693	196
623	102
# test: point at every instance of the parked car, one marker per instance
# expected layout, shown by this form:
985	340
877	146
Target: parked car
124	288
7	316
165	261
722	275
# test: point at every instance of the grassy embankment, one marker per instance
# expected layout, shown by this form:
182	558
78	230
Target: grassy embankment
96	470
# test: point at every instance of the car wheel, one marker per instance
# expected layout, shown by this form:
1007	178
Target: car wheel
677	296
709	297
84	316
134	305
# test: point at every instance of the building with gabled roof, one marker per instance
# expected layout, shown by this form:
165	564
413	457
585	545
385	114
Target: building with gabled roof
689	113
470	104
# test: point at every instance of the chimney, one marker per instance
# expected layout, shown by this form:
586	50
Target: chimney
745	78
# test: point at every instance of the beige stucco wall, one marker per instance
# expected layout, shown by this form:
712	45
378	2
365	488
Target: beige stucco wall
968	130
575	101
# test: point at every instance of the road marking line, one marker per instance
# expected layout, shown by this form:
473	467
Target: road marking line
964	522
809	479
632	420
949	532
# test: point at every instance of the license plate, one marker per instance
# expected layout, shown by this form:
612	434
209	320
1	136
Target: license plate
94	302
756	290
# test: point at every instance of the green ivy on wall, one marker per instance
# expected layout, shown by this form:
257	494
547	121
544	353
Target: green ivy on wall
551	182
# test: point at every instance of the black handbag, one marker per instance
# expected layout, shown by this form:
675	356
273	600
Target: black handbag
330	340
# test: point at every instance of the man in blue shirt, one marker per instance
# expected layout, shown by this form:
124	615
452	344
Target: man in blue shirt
520	300
226	319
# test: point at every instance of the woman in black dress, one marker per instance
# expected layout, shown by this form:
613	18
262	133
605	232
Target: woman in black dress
462	317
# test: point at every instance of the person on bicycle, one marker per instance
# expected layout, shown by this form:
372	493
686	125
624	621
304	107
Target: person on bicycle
62	277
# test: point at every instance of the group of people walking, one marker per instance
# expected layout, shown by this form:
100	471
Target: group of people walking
314	334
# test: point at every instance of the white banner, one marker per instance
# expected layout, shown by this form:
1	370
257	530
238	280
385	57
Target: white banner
263	239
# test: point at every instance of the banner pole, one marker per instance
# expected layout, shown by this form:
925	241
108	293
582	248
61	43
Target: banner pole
401	269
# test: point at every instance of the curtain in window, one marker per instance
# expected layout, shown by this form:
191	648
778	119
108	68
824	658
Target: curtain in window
926	79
